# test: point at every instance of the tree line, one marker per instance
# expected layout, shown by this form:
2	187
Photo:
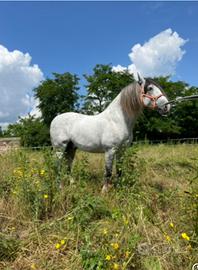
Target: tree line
61	94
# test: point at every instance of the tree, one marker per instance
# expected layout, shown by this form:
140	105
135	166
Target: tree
32	131
57	95
103	86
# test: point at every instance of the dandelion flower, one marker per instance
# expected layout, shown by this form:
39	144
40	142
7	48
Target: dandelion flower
185	236
108	258
45	196
57	246
115	246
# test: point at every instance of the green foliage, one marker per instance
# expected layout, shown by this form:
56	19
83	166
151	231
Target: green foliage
32	131
9	247
80	169
78	228
103	86
33	187
1	132
152	263
130	165
89	209
57	95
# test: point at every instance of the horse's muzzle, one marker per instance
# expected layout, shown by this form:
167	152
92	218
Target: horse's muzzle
164	110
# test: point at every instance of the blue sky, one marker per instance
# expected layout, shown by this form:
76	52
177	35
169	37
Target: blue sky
75	36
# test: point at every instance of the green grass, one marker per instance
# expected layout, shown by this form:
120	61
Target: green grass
148	221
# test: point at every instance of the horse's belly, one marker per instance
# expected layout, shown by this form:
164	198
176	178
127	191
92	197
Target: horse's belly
87	140
91	148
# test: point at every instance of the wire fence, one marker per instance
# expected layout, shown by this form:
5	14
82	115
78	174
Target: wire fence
168	141
136	142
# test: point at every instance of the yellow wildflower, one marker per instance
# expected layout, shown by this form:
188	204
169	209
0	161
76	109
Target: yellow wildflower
171	225
57	246
126	221
108	258
33	266
45	196
127	253
42	172
115	246
167	237
116	266
18	172
185	236
62	242
105	231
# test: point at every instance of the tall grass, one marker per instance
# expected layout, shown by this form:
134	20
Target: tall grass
148	221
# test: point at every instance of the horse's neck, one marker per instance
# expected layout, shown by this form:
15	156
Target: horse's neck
116	113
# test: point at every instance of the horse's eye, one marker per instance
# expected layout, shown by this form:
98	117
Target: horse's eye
150	88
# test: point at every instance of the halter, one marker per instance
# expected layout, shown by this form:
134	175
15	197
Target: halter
153	99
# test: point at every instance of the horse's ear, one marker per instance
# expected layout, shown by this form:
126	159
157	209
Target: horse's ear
140	80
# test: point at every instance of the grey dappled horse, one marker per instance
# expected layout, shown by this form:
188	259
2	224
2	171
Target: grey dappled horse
109	130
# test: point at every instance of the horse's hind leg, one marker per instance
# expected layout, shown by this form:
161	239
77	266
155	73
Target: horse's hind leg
69	155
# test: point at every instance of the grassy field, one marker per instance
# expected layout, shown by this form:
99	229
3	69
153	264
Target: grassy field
148	221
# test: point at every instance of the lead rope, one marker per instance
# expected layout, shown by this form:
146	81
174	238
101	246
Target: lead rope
180	99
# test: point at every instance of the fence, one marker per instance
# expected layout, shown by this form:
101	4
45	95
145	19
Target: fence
168	141
14	143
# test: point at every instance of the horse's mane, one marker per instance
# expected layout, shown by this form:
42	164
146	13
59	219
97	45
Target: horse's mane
131	100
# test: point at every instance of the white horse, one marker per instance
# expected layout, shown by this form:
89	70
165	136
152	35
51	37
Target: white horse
109	130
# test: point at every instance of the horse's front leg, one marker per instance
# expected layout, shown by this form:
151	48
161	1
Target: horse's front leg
109	156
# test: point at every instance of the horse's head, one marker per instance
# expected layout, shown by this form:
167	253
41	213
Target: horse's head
153	96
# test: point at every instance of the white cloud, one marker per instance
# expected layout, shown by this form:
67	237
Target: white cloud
119	68
18	77
158	56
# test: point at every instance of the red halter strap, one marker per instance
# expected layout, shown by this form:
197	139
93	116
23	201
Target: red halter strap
152	98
